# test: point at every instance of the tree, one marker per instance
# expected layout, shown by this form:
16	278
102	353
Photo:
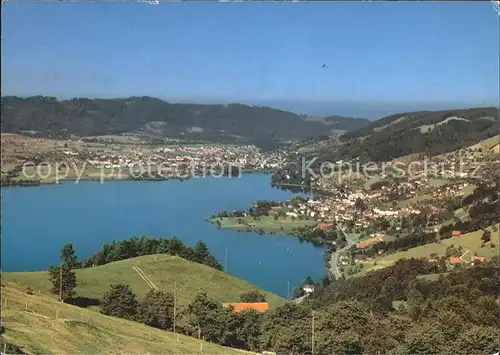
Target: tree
68	256
360	204
252	296
250	329
478	340
203	316
201	252
308	281
119	301
426	338
162	247
280	318
68	277
486	237
175	246
294	340
156	309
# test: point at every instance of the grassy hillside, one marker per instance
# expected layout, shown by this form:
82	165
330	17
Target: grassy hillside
470	242
39	324
164	270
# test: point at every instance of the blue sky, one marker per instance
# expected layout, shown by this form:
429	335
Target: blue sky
374	52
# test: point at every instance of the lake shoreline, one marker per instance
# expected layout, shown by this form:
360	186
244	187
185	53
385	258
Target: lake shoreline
37	183
122	210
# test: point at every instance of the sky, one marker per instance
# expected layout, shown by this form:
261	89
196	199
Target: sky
374	53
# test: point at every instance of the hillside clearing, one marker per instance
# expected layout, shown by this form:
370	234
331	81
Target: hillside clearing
39	324
166	271
267	224
425	128
469	241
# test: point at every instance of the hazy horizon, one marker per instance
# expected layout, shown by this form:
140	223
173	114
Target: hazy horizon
366	59
369	110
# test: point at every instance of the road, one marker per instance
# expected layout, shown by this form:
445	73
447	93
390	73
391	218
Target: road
300	299
145	277
334	260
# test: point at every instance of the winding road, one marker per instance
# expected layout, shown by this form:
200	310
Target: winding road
334	260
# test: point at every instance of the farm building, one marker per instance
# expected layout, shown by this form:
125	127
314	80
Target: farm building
243	306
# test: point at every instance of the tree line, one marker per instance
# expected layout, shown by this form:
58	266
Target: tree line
204	318
138	246
63	278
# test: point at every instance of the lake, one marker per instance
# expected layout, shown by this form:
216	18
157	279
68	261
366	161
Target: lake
37	221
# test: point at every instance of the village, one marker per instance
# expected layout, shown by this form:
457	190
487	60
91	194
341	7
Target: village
93	160
381	209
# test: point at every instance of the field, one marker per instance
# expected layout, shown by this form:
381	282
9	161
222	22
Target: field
470	242
164	270
50	173
39	324
425	128
267	223
413	200
431	277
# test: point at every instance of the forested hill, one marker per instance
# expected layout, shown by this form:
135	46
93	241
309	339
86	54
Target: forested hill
425	132
49	117
346	123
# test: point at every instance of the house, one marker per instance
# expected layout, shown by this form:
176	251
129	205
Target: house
324	226
368	242
308	288
454	260
243	306
456	233
481	259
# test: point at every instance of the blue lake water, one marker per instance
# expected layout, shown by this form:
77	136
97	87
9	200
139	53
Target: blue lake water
37	221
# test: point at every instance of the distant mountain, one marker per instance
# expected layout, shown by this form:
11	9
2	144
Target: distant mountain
426	132
263	126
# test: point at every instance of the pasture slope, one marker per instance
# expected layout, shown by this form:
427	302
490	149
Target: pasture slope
165	271
469	241
39	324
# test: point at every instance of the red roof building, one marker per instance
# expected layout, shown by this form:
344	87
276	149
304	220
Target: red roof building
256	306
480	258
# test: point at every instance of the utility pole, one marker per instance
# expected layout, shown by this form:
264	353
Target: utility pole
175	302
288	290
60	283
312	334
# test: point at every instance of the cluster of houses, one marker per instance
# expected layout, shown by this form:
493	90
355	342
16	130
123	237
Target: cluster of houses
174	157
